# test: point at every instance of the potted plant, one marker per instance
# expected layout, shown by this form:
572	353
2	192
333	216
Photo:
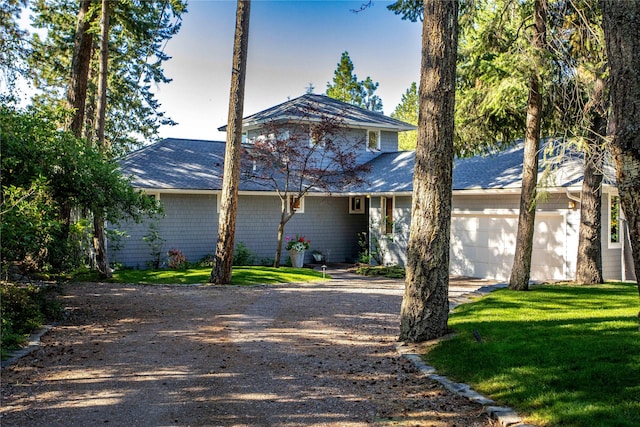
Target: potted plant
317	256
296	248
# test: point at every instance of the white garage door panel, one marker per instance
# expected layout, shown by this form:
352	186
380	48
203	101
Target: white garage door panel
547	260
483	246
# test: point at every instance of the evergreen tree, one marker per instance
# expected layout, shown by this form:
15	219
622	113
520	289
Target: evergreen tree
620	22
345	85
13	49
223	258
347	88
521	271
370	101
138	33
425	305
407	111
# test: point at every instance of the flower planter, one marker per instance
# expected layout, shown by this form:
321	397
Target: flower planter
297	258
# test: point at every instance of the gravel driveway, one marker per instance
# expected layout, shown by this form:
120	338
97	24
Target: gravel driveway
319	354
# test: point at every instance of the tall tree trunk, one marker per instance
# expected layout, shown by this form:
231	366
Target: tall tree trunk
425	305
103	74
223	259
281	224
521	270
77	93
589	261
621	22
99	237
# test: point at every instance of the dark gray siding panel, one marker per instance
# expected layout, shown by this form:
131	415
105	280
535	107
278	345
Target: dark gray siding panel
388	141
191	222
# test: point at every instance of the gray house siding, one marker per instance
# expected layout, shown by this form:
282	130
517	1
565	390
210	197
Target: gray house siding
190	224
616	257
388	141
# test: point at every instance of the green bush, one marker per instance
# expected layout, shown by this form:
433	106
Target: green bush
391	272
24	308
242	255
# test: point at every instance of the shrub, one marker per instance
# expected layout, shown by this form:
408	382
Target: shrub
392	271
24	309
155	243
177	260
242	255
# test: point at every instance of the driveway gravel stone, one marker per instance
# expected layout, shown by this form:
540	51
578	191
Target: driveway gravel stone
321	354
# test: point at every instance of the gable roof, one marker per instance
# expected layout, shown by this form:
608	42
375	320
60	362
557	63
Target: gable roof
187	164
353	117
393	172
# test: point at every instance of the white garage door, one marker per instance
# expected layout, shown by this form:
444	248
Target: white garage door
483	245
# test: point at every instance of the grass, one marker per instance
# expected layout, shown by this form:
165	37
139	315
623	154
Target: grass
558	354
391	272
243	276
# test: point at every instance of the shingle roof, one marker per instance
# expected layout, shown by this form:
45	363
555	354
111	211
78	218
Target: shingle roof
393	172
353	116
187	164
184	164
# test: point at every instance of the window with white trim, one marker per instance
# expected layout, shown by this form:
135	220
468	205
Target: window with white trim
296	204
386	210
615	232
356	204
373	140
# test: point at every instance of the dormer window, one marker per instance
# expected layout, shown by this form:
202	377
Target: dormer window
373	140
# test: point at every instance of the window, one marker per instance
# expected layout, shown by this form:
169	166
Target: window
386	205
356	204
313	139
296	204
614	221
373	140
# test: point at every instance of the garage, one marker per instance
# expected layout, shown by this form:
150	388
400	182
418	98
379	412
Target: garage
483	244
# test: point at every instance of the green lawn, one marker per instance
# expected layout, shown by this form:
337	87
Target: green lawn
558	354
241	276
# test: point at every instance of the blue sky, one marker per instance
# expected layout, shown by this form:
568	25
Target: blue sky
291	44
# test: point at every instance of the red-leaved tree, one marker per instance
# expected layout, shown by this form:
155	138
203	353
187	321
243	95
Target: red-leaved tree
312	152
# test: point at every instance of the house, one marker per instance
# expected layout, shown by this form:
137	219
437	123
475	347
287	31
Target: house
185	176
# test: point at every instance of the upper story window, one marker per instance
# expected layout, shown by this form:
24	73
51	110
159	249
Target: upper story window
313	139
373	140
296	204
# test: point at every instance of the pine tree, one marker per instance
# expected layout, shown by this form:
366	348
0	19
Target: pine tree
407	111
347	88
425	305
345	85
223	258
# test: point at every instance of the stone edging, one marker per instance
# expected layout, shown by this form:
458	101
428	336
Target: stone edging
505	416
34	343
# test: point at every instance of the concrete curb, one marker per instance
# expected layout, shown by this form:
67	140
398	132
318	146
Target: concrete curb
34	343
